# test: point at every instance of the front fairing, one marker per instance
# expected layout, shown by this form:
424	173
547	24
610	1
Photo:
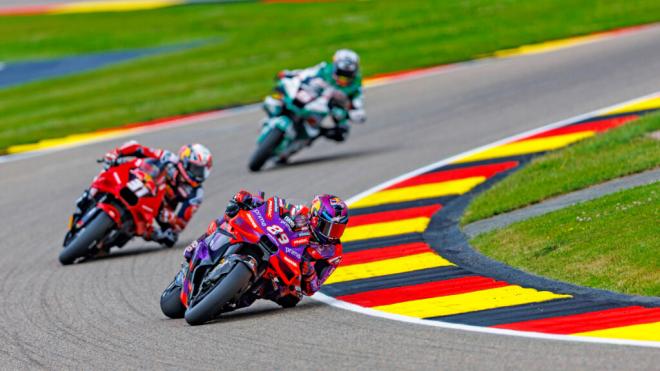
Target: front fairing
285	262
139	185
207	254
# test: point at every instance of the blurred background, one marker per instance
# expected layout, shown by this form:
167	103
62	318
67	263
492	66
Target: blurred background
75	67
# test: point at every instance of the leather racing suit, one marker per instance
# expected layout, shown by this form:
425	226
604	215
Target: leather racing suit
181	201
319	260
343	102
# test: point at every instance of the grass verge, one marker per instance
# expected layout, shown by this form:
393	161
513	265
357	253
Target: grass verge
610	243
622	151
249	43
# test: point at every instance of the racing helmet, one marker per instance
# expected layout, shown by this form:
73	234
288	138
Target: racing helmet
345	66
195	162
328	217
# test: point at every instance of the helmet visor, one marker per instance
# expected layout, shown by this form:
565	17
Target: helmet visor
344	73
330	230
197	172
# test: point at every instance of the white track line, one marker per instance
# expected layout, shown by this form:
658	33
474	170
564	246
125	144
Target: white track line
488	330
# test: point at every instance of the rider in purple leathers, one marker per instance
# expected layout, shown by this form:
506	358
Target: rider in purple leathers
324	221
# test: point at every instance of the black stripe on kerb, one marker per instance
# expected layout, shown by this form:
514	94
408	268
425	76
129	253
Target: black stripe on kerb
400	205
528	312
374	243
395	280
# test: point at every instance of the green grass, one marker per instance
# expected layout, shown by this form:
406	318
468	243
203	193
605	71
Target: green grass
249	43
622	151
610	243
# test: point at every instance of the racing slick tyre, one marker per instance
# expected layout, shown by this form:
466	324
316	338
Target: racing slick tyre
170	301
209	307
265	149
79	245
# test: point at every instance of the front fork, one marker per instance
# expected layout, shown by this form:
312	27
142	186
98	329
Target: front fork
78	218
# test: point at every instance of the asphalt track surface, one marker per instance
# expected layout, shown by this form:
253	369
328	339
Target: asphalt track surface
105	313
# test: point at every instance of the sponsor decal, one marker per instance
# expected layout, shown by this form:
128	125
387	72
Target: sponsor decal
289	221
269	209
260	217
251	220
289	261
293	252
279	205
300	241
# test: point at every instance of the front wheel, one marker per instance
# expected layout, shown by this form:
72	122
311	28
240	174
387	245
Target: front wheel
170	301
79	245
209	307
265	149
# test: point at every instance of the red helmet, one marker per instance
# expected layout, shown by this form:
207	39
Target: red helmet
195	163
328	217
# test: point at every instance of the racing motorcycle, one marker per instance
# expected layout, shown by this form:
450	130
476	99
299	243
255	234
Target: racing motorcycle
127	198
249	256
295	119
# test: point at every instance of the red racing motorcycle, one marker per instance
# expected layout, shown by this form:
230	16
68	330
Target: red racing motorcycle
248	257
126	199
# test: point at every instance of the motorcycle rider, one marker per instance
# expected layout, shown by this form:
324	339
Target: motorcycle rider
336	86
185	173
324	222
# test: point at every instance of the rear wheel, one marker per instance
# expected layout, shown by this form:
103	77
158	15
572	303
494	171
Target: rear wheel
79	245
265	149
209	307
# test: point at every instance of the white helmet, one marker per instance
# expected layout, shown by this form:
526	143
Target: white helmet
345	66
195	162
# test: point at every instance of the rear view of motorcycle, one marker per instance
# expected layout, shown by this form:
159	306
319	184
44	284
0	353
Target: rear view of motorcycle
247	257
122	202
295	119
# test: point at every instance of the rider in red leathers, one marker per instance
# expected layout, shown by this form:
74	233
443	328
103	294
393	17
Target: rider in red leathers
324	221
185	173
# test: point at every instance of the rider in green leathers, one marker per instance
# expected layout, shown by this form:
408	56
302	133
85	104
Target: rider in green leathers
333	89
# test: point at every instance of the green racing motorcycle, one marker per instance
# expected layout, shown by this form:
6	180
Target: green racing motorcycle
295	119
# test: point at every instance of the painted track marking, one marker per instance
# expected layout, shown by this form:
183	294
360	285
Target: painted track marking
643	334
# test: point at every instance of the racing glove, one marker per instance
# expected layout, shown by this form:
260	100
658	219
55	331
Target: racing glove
165	237
241	200
110	159
357	115
339	133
